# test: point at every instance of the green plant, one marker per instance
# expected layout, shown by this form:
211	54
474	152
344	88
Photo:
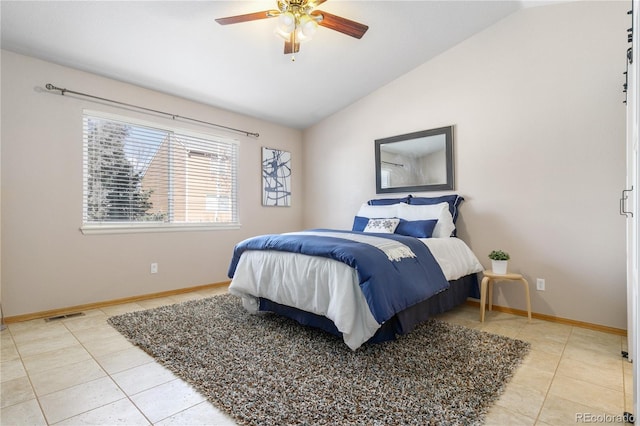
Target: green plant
499	255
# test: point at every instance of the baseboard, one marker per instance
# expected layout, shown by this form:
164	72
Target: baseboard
98	305
551	318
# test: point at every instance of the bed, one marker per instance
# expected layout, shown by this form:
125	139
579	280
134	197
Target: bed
400	264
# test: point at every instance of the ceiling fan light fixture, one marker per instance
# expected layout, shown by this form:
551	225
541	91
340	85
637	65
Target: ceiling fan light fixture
283	35
286	22
300	36
298	21
308	26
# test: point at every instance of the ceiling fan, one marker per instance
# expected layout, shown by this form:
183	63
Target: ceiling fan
298	21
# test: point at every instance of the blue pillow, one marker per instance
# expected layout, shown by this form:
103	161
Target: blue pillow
388	201
416	228
453	200
359	223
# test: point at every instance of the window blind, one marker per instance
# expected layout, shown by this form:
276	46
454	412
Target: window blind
141	175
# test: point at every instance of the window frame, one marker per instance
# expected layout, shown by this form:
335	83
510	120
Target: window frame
90	228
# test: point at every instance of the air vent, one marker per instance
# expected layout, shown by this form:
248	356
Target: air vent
59	317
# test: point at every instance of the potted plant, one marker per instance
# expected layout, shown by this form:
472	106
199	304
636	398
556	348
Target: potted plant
499	262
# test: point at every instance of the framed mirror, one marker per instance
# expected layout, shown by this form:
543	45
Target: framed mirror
419	161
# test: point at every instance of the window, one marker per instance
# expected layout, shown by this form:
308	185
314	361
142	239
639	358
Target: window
139	176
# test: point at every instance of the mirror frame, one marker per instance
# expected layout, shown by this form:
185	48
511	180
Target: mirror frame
448	185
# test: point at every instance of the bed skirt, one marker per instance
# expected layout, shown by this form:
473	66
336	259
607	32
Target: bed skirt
401	323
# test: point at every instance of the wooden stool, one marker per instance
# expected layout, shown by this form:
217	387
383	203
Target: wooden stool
489	278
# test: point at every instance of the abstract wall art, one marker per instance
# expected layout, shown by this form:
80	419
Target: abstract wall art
276	177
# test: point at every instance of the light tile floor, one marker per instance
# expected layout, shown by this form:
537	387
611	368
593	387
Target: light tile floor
81	371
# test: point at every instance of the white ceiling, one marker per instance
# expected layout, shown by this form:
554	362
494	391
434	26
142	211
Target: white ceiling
176	47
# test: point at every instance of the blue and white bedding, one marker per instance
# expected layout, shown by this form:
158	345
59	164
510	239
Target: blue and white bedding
356	280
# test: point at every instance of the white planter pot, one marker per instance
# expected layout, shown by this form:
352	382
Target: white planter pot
499	266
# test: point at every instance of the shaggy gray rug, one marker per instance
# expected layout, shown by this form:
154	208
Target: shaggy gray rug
269	370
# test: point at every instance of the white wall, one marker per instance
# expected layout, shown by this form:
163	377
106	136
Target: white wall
47	263
536	101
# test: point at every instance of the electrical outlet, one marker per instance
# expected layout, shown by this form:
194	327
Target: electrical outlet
540	284
154	268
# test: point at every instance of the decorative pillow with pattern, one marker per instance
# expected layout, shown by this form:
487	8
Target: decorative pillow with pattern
382	226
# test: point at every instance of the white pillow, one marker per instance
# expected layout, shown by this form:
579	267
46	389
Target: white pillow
421	211
444	228
378	211
382	226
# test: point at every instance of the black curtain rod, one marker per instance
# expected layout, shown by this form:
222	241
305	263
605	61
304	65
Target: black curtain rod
50	86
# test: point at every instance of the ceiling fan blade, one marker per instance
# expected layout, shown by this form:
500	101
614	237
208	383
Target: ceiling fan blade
317	3
291	46
248	17
340	24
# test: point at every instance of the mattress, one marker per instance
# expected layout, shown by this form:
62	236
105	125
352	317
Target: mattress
328	288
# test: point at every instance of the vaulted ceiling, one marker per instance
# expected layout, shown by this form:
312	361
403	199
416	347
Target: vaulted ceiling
176	47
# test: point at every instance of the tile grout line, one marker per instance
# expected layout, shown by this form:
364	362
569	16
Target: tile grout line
126	395
573	333
38	397
28	376
91	355
553	378
155	386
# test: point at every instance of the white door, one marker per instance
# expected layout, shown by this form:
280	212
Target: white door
628	207
633	202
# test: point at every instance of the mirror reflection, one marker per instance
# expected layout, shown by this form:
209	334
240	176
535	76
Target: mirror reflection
419	161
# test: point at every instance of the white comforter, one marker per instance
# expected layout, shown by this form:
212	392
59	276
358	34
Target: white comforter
330	288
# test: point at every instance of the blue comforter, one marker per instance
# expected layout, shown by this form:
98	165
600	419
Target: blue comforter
388	286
